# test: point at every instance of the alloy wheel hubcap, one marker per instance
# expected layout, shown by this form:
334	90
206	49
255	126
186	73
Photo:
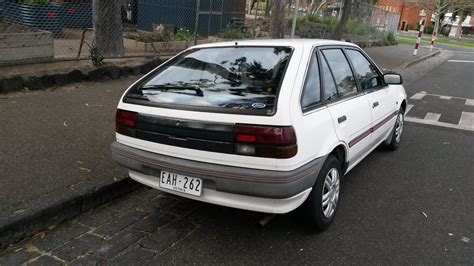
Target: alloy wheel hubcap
330	192
399	127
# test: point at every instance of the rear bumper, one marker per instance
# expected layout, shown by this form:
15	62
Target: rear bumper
250	203
223	183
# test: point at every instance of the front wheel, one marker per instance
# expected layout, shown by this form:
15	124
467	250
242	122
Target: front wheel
393	142
321	206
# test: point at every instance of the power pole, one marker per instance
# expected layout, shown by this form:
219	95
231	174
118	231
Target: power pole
107	21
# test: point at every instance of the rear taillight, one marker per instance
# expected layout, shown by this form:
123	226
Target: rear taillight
125	122
265	141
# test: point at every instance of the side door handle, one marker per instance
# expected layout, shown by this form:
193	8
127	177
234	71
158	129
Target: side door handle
341	119
375	104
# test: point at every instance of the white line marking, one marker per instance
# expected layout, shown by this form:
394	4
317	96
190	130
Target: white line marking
432	116
408	108
437	123
452	97
470	102
445	97
417	96
467	119
460	61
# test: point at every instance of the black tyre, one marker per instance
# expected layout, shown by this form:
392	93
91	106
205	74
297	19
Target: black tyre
393	142
321	205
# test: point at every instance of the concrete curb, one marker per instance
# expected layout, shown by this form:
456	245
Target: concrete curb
14	230
44	81
420	59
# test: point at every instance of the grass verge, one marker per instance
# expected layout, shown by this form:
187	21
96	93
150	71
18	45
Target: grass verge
462	43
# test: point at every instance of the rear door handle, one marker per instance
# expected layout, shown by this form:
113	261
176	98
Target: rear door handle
341	119
375	104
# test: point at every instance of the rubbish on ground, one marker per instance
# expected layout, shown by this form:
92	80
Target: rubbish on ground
85	169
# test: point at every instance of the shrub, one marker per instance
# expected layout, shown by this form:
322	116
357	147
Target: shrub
233	32
429	28
331	23
38	2
182	34
391	37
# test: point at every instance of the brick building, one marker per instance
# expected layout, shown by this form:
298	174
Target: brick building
409	12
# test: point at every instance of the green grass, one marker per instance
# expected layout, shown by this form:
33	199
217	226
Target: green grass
405	42
462	43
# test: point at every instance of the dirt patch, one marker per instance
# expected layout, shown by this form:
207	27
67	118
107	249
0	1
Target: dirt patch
15	28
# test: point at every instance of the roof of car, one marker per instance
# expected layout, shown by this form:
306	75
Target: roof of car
277	42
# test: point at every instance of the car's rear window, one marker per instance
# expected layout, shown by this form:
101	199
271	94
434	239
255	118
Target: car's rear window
238	79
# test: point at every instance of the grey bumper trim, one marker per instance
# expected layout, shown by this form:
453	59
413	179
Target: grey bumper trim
231	179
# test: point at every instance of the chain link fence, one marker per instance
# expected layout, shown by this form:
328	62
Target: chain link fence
49	30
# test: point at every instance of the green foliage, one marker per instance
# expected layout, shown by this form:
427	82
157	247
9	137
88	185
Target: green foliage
38	2
354	27
331	23
388	39
429	28
233	32
391	37
182	34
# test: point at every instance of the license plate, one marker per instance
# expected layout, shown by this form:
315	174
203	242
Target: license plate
181	183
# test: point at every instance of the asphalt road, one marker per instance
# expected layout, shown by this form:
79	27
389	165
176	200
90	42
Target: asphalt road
411	206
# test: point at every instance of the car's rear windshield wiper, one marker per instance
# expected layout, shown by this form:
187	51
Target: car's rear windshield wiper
198	91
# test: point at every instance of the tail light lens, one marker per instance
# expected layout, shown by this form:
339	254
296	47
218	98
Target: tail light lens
125	122
265	141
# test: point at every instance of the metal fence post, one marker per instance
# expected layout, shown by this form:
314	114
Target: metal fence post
293	26
196	21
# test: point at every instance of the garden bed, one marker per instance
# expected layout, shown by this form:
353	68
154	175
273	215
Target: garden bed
21	43
163	48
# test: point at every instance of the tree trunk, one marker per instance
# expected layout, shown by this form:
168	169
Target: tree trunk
277	26
267	8
107	21
346	10
459	28
251	4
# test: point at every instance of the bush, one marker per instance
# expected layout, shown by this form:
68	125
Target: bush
233	32
391	37
182	34
331	23
37	2
429	28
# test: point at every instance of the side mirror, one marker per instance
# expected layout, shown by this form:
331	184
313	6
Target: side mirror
392	79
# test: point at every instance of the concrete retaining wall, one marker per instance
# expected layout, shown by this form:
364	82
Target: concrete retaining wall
31	47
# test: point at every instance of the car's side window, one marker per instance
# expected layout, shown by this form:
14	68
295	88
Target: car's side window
312	86
341	70
330	90
366	73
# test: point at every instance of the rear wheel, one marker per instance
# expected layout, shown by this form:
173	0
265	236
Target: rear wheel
321	206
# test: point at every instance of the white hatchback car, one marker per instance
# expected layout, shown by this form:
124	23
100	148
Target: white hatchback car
259	125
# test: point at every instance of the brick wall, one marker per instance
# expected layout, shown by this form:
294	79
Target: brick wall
409	12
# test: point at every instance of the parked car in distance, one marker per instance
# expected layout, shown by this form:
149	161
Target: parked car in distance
266	126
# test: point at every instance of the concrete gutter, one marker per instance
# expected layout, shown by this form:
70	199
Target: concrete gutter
13	229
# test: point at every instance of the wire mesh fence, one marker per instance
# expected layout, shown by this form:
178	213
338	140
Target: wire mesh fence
48	30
